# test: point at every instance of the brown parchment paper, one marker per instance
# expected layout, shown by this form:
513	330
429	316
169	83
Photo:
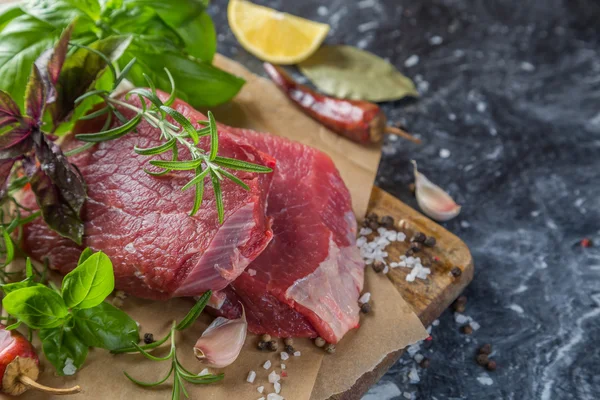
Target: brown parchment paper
314	375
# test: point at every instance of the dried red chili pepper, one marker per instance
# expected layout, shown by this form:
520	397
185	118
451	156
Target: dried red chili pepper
360	121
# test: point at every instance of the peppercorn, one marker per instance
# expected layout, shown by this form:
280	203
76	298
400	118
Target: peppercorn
467	329
365	308
419	237
378	266
289	349
373	225
330	348
430	241
272	345
482	359
148	338
320	342
266	337
462	299
424	363
409	253
459	308
262	345
288	341
491	366
416	247
372	217
387	222
485	349
456	272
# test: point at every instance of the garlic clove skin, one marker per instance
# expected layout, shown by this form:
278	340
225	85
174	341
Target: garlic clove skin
221	343
433	200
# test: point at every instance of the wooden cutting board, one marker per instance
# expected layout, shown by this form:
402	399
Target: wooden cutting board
428	298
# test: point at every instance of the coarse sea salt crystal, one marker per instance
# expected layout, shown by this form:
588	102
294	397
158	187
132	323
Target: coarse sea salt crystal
274	396
260	389
413	376
418	357
69	368
436	322
277	387
365	298
394	265
274	377
461	318
205	371
284	355
261	398
474	325
365	231
386	269
297	354
251	272
411	61
267	364
251	377
282	366
413	349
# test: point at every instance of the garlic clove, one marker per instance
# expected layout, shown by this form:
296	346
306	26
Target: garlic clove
432	199
222	342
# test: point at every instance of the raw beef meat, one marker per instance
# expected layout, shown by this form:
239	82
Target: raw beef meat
142	222
308	279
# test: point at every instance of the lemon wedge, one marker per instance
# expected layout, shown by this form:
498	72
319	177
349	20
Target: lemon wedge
273	36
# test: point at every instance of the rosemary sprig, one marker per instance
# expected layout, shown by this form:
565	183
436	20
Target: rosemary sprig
158	114
179	372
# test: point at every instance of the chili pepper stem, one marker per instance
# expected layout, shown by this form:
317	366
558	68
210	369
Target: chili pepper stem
399	132
24	379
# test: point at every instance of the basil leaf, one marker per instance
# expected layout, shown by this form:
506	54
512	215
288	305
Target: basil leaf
35	95
21	42
105	326
90	283
59	189
39	307
5	169
200	30
11	287
81	70
85	254
173	12
8	12
58	13
197	82
60	344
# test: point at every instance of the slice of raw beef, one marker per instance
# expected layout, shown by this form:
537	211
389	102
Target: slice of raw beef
142	222
308	279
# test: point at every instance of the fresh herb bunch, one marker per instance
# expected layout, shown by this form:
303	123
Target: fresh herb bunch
71	320
179	372
159	114
178	34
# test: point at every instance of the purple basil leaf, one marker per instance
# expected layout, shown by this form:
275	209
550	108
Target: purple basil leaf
5	168
15	142
35	95
9	110
51	61
59	189
80	71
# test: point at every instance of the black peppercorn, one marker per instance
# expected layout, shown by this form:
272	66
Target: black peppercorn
148	338
416	247
365	308
467	330
288	341
387	222
262	345
372	217
289	349
491	365
485	349
419	237
482	359
424	363
430	241
456	272
373	225
409	253
459	308
272	345
462	299
378	266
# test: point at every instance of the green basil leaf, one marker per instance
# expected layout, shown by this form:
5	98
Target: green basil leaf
199	37
63	349
39	307
105	326
85	254
21	42
11	287
58	13
81	70
90	283
197	82
173	12
8	12
352	73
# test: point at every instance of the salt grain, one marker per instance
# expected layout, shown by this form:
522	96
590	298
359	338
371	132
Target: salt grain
461	319
418	358
251	377
277	387
205	371
274	377
297	354
436	322
411	61
274	396
251	272
435	40
284	355
474	325
267	364
413	376
261	398
365	231
282	366
260	389
365	298
444	153
413	349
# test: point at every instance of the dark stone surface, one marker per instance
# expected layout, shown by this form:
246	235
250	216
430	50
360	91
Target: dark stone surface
513	92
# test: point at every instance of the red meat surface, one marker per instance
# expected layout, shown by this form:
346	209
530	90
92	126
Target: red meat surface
142	222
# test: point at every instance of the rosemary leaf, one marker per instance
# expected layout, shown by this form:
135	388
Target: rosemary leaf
79	149
150	384
239	165
214	137
235	179
95	114
218	195
195	312
124	72
171	98
90	94
151	151
183	121
111	133
197	179
147	94
177	165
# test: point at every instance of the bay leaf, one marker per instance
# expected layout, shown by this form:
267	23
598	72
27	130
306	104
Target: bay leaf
351	73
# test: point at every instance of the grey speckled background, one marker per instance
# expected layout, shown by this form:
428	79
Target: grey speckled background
513	92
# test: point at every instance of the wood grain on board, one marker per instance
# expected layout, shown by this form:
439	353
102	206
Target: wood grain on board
428	298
